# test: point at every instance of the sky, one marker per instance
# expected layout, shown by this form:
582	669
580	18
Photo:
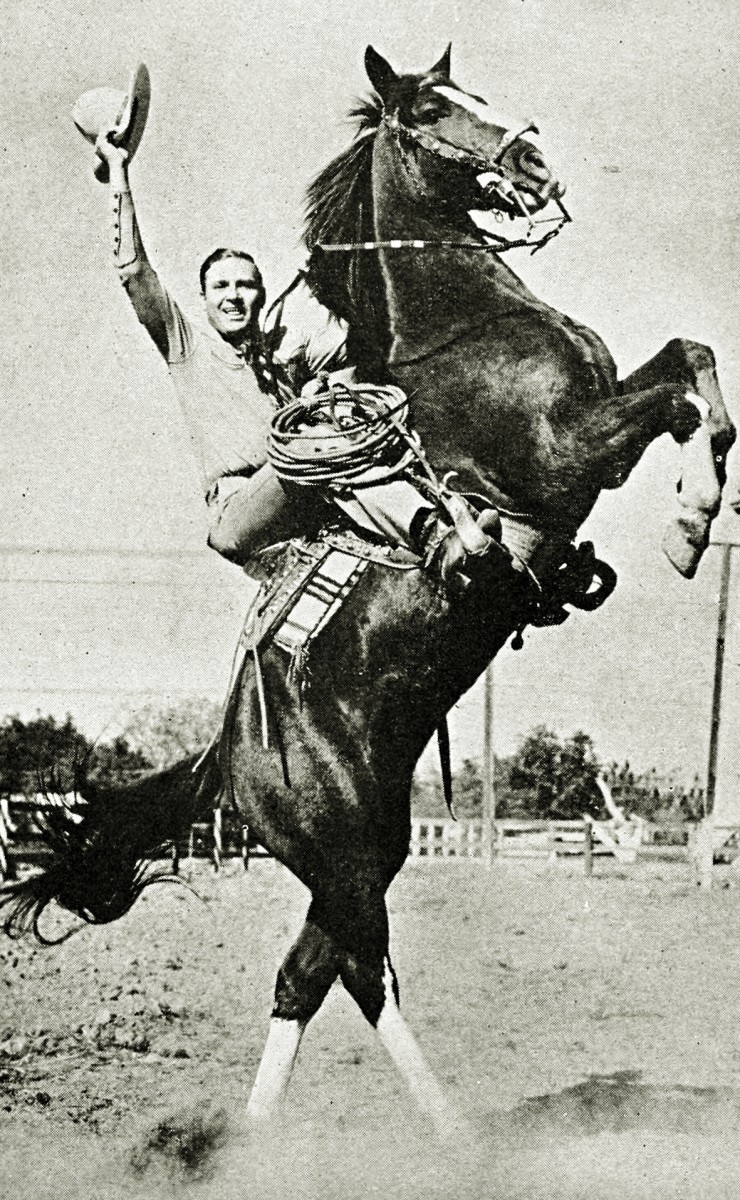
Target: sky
109	598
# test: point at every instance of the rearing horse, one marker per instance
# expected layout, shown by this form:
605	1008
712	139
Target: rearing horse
521	402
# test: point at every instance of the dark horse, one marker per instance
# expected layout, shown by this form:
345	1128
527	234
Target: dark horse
525	405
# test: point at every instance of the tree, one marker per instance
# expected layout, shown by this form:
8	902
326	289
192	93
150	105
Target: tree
117	762
656	797
467	789
557	779
47	755
427	798
167	733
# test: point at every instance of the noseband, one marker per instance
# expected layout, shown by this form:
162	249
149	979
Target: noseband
444	149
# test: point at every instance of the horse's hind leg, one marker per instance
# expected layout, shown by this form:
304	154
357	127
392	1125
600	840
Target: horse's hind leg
307	973
366	972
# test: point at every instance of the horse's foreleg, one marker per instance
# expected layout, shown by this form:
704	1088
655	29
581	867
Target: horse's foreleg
304	979
276	1067
699	421
617	434
684	363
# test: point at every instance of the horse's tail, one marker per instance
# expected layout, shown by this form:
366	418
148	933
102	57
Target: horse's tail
102	861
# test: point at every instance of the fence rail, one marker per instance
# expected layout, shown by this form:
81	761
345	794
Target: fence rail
441	837
445	838
431	837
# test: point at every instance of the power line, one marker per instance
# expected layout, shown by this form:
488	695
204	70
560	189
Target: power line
101	691
103	551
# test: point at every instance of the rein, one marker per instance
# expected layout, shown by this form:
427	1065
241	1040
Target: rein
499	246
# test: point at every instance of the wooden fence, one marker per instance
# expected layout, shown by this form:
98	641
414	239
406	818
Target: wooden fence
445	838
22	842
438	838
20	838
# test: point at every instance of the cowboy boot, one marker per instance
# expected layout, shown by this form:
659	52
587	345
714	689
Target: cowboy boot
442	549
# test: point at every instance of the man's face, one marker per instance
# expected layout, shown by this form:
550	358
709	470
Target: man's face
232	292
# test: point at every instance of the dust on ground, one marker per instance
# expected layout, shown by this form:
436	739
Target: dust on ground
587	1030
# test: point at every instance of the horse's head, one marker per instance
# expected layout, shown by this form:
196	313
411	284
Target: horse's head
463	155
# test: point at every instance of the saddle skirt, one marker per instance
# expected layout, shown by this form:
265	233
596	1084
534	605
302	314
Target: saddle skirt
304	583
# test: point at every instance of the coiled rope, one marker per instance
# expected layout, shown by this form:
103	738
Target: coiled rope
350	434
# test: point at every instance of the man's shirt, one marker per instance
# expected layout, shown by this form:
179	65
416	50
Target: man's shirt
227	394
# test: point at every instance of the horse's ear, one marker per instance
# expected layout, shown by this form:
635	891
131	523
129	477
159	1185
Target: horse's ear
443	66
379	72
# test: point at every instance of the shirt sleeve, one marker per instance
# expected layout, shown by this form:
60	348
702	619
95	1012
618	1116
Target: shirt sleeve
158	312
309	335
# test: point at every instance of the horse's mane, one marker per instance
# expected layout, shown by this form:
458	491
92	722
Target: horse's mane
339	210
335	195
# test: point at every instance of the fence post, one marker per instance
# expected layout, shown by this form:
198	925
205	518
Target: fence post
588	849
8	868
701	852
489	771
217	838
552	853
245	847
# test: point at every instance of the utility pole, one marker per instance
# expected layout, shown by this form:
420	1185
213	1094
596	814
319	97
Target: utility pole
725	535
489	769
719	662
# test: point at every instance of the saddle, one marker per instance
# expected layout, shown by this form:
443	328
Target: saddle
303	584
354	442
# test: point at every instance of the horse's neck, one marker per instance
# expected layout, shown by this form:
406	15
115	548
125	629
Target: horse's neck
435	295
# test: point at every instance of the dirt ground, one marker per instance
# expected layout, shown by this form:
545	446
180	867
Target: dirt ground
587	1029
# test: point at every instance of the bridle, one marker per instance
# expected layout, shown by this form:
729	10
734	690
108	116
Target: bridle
510	198
439	147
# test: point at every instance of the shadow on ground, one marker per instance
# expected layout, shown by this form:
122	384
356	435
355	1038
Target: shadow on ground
609	1136
620	1103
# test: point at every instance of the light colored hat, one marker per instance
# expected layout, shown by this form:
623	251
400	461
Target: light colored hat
124	114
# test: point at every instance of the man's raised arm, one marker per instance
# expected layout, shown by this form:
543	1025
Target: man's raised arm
157	312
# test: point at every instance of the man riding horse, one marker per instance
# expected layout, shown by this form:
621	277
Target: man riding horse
527	408
229	371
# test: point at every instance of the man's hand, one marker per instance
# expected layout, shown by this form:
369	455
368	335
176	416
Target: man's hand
117	159
327	379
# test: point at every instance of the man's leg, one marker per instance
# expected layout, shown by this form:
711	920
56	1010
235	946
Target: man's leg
395	509
248	513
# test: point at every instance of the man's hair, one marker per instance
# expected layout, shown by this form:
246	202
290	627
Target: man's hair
221	253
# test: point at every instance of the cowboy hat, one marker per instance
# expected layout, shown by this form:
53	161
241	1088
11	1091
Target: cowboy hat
121	114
